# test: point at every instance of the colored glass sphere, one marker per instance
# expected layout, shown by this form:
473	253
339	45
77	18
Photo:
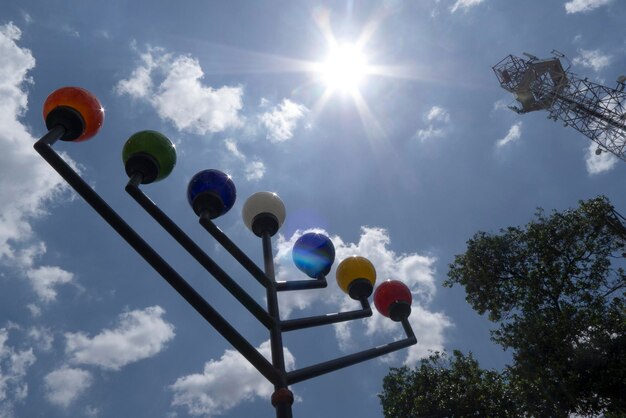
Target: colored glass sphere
78	100
354	268
263	203
313	254
148	151
388	294
211	190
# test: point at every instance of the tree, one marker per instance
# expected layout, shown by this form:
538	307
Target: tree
555	291
448	387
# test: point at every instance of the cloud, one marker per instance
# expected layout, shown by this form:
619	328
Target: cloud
415	270
42	337
139	334
282	120
14	365
437	118
173	86
69	30
231	146
597	164
593	59
464	4
64	385
224	383
438	114
45	278
254	170
23	198
577	6
515	132
500	105
27	17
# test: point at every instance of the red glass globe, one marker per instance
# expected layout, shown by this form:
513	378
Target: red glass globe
389	293
83	102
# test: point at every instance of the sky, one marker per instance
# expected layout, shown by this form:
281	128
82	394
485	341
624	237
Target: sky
380	123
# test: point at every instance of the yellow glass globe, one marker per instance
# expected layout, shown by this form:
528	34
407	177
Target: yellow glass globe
354	268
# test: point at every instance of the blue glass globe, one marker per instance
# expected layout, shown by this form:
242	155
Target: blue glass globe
313	254
212	190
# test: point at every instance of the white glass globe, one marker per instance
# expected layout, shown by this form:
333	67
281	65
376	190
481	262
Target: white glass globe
260	203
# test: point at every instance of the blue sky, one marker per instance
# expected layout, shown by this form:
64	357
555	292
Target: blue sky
401	160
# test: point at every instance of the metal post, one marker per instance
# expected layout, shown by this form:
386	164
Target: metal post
282	398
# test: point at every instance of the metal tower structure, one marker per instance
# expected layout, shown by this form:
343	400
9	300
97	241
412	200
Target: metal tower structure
595	110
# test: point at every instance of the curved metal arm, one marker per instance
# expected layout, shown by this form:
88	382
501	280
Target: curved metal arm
235	251
299	375
333	318
43	147
319	283
132	188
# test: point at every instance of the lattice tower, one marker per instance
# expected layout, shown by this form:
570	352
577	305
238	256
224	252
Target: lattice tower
594	110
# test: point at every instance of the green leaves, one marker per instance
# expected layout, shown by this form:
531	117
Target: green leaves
448	387
555	290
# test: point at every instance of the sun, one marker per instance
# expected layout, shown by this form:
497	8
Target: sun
345	68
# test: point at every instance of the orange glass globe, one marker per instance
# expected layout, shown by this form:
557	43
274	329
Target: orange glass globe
82	101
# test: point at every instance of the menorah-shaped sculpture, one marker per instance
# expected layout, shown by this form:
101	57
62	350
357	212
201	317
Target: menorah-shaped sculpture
73	114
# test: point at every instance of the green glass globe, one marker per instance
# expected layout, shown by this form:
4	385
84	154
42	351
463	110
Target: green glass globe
149	153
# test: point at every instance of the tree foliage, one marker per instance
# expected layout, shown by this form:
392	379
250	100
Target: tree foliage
448	387
555	291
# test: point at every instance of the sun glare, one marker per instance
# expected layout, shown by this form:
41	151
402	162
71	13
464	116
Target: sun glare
344	68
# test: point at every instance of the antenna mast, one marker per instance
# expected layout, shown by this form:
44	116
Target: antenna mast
596	111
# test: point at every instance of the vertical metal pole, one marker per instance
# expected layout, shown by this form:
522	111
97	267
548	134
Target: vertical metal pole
282	398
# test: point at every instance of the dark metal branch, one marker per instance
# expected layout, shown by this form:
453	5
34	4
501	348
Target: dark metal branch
155	260
349	360
235	251
201	257
283	409
314	321
319	283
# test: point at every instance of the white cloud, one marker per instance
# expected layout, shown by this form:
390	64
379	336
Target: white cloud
282	120
64	385
42	337
139	334
24	197
254	170
576	6
34	310
439	114
27	17
464	4
231	146
224	383
597	164
69	30
91	412
44	279
593	59
500	105
437	118
515	132
415	270
173	86
140	85
14	365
